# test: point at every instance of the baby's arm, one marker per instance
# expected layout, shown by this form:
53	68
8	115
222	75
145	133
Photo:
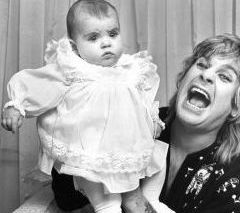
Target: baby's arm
35	91
151	188
11	119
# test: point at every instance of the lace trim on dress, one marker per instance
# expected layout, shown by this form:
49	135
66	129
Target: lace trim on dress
147	70
108	162
155	115
61	53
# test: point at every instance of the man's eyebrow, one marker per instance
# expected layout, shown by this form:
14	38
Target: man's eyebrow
230	67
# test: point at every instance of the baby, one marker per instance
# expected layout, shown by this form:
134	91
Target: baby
96	115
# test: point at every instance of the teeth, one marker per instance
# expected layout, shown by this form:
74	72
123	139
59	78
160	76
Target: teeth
195	89
195	107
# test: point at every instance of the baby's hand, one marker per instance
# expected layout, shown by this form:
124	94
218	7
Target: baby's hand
11	119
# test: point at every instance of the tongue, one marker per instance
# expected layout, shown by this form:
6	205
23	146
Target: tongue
197	102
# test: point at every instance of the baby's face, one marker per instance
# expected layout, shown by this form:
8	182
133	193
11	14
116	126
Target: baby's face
99	41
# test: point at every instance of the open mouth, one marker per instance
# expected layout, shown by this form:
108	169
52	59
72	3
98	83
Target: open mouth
198	98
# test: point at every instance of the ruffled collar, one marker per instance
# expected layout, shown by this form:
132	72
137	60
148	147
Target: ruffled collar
61	53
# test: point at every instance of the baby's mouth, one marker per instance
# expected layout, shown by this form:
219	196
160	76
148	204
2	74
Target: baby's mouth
107	55
198	98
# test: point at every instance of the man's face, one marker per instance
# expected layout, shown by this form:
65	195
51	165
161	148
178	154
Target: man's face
99	40
205	96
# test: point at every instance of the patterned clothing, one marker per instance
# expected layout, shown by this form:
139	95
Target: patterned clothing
203	185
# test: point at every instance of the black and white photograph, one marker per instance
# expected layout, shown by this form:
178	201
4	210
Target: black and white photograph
120	106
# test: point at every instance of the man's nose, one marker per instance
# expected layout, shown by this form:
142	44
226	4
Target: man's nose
106	42
208	76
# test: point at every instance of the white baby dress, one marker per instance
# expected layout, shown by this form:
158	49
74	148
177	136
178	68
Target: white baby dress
93	121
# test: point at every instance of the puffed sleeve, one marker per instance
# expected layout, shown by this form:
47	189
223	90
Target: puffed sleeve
34	91
149	81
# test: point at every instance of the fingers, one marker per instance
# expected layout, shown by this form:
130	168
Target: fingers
11	120
4	123
20	121
14	124
11	124
7	124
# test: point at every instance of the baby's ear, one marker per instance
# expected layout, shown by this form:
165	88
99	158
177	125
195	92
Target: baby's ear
74	46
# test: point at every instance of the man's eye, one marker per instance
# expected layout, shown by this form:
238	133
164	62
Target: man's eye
113	33
202	65
93	37
225	78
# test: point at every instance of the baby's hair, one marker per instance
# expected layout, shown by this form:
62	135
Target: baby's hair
97	8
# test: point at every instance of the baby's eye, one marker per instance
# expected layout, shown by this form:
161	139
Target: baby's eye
113	33
92	37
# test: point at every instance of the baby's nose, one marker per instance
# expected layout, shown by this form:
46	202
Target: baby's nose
105	43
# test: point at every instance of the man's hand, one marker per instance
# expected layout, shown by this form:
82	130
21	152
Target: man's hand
11	119
134	202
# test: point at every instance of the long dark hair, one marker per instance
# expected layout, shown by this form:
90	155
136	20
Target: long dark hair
225	46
